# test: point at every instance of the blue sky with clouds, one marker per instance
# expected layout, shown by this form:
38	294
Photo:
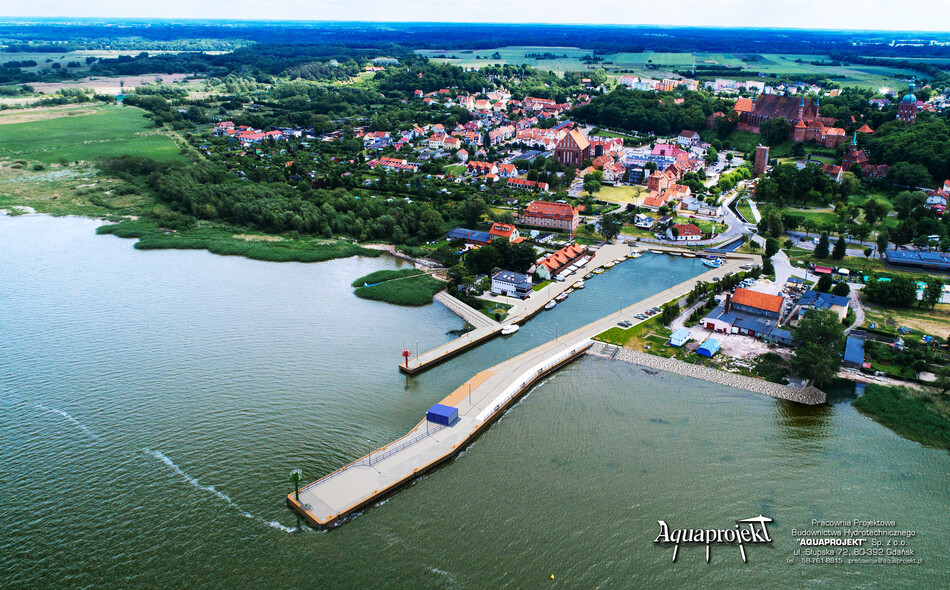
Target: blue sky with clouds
824	14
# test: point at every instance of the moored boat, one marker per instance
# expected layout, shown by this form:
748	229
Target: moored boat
588	276
580	285
508	330
561	297
550	305
597	271
608	265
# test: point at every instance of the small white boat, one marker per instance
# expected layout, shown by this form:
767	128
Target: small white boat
550	305
561	297
597	271
608	265
569	291
588	276
713	262
688	255
580	285
509	330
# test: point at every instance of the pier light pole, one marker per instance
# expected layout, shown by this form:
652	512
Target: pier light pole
295	476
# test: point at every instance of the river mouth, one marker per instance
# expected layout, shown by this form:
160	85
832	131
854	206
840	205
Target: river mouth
153	404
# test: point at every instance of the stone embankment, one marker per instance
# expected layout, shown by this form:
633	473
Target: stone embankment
810	395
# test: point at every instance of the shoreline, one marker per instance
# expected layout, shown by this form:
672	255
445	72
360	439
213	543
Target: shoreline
808	396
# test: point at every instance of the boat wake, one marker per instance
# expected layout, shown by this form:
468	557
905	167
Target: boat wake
70	419
216	492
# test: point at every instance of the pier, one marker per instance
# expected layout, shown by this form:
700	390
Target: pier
327	502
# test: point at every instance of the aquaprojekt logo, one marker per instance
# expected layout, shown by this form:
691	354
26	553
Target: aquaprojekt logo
744	532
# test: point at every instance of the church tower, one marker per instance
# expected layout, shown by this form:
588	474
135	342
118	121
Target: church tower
907	108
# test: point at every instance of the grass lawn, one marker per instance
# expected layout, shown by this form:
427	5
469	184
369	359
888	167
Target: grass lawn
100	132
852	263
621	194
648	336
934	322
540	285
819	216
704	225
455	169
491	308
745	210
632	230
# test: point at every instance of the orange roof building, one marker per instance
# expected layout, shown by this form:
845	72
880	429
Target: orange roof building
757	303
551	215
553	264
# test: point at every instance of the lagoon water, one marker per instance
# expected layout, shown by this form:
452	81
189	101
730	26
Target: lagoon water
153	403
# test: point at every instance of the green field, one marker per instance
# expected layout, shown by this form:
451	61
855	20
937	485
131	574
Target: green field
109	131
658	65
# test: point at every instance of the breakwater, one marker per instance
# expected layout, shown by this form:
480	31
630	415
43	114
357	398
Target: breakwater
809	396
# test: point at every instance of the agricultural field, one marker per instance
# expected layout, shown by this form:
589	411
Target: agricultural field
515	55
658	65
82	133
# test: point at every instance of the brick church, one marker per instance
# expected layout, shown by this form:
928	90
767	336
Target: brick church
572	149
801	113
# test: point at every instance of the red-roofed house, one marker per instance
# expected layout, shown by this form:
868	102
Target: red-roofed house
552	265
504	230
524	183
550	215
507	170
685	232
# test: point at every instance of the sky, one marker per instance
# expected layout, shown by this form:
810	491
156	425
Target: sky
932	15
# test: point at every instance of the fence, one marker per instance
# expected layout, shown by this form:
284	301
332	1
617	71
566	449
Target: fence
378	456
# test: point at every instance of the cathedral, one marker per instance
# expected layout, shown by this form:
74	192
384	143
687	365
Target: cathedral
801	113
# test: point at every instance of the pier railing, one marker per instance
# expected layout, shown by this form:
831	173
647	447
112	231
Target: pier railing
379	456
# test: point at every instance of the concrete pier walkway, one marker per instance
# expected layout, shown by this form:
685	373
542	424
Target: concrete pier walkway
486	328
466	311
327	502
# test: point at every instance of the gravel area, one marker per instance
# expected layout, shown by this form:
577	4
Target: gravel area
808	396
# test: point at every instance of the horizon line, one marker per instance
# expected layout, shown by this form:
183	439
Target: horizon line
490	23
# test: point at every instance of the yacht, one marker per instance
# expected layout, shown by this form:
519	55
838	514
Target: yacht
508	330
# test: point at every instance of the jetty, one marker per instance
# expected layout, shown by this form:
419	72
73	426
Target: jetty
327	502
486	328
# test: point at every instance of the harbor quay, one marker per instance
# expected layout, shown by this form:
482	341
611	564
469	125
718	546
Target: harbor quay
461	416
486	328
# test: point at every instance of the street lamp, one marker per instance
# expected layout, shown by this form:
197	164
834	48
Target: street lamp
295	476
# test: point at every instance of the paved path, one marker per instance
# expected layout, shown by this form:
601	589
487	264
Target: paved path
479	401
755	211
466	311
